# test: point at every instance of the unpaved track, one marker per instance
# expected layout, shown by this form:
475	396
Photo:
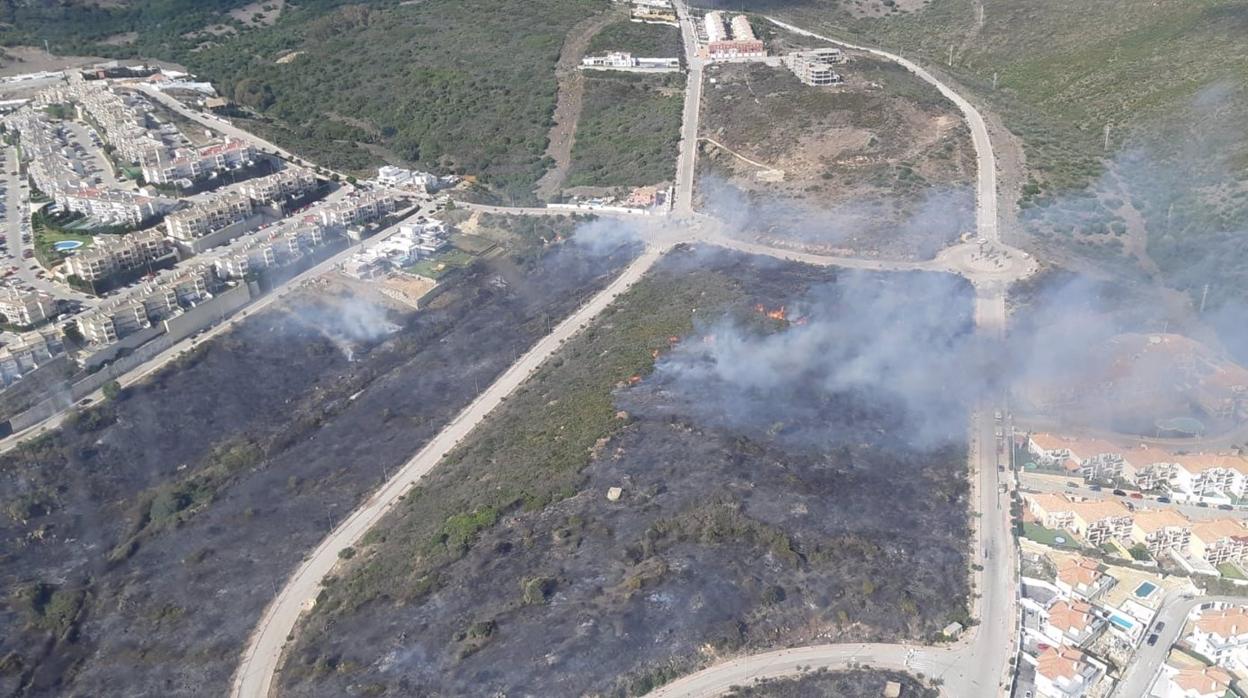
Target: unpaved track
570	99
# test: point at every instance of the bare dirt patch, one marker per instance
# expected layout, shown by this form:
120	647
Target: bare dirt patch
569	100
879	165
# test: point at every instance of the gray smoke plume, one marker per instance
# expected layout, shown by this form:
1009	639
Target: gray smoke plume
903	342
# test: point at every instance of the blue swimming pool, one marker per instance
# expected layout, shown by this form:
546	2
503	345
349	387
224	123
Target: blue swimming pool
66	245
1145	590
1121	622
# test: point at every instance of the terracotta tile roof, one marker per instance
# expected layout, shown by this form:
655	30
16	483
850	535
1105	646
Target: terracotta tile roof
1059	663
1227	623
1049	501
1203	680
1210	531
1067	616
1154	520
1079	571
1093	510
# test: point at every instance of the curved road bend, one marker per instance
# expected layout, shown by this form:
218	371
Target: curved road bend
978	665
986	190
260	659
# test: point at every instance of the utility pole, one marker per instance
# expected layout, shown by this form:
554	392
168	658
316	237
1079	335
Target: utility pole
1204	296
1106	136
950	62
994	81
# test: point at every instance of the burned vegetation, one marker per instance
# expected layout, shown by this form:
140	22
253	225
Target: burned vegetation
719	464
141	541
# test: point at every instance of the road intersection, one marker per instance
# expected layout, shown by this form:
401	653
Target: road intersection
977	665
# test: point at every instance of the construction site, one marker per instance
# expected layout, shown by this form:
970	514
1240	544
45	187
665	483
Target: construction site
839	153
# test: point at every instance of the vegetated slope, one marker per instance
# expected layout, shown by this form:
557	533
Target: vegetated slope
856	683
639	39
882	163
629	130
143	540
464	86
768	497
1167	78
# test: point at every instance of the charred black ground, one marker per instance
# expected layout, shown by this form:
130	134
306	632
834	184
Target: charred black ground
770	495
142	541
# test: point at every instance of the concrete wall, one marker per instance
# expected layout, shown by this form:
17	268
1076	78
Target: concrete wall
223	235
168	333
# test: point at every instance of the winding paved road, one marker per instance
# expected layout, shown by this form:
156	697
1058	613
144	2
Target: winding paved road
975	666
264	649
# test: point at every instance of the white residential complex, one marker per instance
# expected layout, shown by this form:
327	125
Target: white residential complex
1213	478
115	254
166	296
741	44
285	184
206	217
26	308
413	242
359	207
265	251
192	164
30	351
1159	531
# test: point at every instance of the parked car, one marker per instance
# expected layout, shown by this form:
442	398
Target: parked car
1164	500
1119	493
1096	488
1152	639
1161	625
1072	484
1226	507
1203	504
1136	495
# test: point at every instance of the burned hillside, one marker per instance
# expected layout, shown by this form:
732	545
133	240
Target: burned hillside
142	541
672	488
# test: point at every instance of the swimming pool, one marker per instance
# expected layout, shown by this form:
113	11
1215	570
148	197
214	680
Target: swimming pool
1121	622
1145	590
66	245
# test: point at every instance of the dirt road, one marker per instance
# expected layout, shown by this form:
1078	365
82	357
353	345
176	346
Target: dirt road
568	103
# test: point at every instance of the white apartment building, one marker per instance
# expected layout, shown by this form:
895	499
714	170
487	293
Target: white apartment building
1093	521
26	308
113	206
115	254
1218	541
209	216
147	305
1221	634
30	351
193	164
288	183
1161	530
268	251
360	207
